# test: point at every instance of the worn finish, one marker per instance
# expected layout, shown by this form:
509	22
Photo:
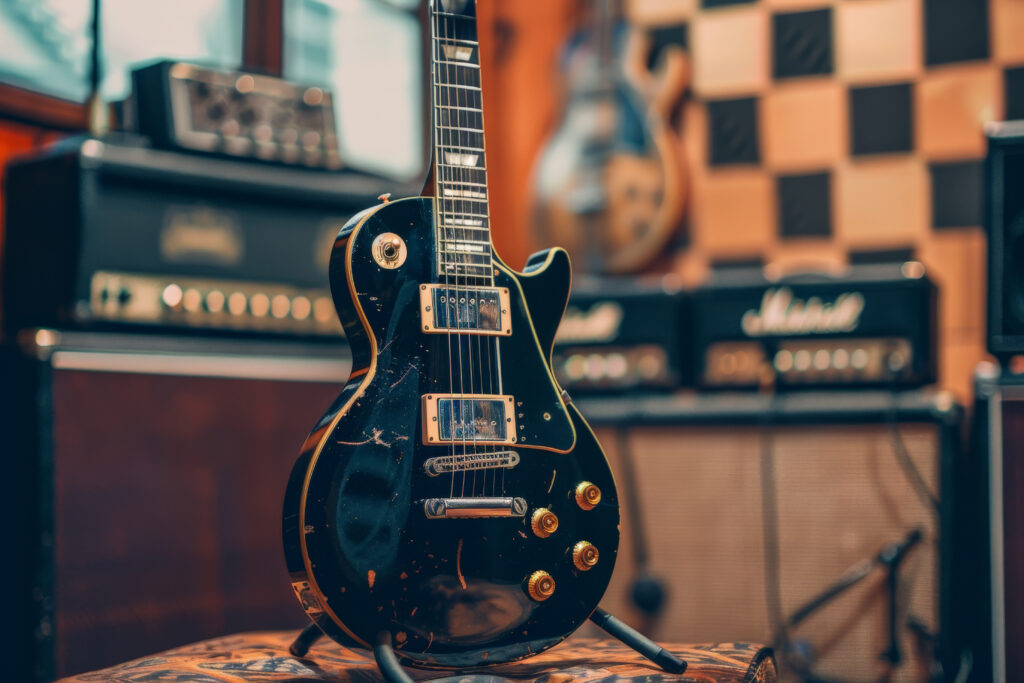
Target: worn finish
361	550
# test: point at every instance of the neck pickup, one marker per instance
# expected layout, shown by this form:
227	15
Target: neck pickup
446	309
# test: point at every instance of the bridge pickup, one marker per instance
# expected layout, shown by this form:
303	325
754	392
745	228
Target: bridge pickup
479	419
471	461
465	310
470	508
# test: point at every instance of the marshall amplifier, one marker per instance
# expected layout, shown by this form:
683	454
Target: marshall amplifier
620	335
873	326
105	234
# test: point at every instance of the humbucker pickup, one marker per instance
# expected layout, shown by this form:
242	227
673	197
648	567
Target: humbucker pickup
465	310
468	418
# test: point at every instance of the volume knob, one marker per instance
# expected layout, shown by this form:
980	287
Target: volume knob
544	522
584	556
540	586
587	495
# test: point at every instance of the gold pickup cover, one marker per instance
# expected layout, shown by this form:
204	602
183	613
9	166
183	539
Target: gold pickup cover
465	310
479	419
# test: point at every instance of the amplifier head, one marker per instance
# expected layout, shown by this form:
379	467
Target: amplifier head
619	335
873	326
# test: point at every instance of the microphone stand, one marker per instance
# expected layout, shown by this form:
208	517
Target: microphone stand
890	557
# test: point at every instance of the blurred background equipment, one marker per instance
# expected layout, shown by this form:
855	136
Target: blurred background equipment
754	505
869	326
189	107
623	335
1005	221
610	185
112	233
997	519
147	480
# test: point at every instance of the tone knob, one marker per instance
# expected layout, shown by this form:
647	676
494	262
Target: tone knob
587	495
540	586
544	522
584	556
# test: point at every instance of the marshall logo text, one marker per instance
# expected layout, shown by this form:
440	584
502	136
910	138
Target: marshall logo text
782	313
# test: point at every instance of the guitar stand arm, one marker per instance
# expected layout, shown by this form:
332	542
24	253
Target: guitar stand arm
392	670
638	641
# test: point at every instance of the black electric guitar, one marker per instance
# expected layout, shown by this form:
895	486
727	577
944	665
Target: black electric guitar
452	497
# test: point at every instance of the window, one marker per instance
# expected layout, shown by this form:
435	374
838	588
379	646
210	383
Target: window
45	44
369	54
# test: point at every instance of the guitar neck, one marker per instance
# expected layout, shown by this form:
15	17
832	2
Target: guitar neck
462	225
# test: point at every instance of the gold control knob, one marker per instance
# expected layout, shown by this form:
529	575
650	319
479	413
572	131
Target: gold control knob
544	522
584	556
587	495
540	586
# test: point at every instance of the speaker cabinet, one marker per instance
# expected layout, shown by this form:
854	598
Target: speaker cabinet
752	506
146	481
1004	218
999	436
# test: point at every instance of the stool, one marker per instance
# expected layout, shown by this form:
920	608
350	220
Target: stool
264	656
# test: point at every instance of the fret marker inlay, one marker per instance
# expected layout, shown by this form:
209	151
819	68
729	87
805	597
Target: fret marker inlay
462	53
456	159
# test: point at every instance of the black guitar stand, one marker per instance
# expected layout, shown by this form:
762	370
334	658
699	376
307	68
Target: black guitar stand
392	670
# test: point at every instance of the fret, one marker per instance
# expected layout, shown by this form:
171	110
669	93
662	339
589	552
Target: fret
452	106
451	181
463	167
458	213
464	228
463	246
465	199
452	15
448	62
463	148
458	85
460	129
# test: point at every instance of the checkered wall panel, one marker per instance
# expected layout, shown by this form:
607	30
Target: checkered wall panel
822	132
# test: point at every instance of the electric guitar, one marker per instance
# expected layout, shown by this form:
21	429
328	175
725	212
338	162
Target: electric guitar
610	185
452	497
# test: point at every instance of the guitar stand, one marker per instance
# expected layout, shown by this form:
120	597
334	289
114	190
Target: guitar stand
392	670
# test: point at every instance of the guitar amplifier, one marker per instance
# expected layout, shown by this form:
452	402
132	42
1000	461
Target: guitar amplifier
147	473
622	334
103	234
195	108
873	326
744	508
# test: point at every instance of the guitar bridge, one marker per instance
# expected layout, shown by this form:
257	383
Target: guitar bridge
473	508
471	461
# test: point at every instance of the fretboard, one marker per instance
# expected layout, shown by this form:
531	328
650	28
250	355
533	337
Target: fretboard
463	227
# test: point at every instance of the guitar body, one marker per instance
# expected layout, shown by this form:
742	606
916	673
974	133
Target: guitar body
363	554
610	185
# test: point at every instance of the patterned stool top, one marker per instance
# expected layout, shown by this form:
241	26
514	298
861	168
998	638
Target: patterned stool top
264	656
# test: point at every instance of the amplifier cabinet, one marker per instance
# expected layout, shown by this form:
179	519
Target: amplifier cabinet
146	480
113	235
698	471
999	440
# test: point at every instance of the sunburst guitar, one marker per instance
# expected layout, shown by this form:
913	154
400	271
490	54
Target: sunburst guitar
453	496
611	185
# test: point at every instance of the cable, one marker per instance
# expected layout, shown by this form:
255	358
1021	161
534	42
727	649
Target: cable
910	469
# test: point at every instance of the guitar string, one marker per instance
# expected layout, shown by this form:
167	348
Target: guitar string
444	297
